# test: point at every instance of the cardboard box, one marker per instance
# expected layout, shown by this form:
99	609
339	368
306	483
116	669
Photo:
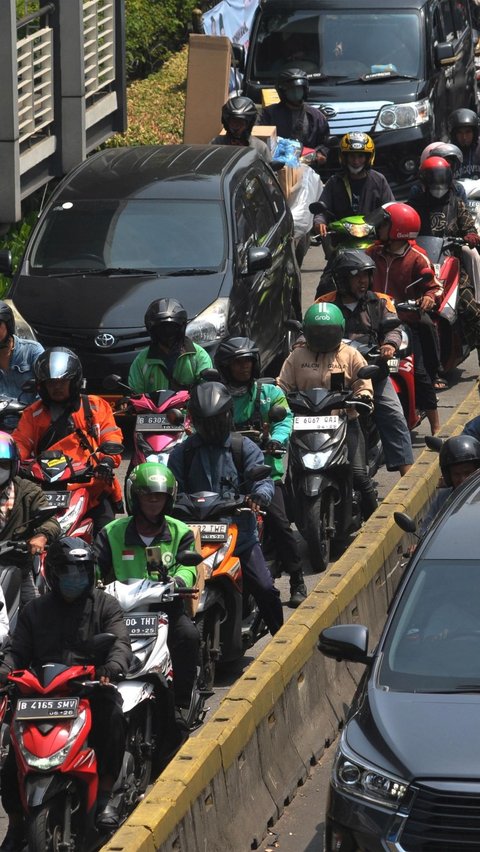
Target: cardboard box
208	72
288	178
266	132
191	604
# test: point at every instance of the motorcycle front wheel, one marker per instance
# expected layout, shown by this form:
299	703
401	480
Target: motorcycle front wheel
46	827
317	511
208	624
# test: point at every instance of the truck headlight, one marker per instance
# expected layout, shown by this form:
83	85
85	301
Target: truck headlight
211	324
399	116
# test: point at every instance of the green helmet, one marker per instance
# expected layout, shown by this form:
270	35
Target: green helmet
150	478
323	327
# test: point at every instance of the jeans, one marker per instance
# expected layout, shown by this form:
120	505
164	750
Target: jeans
280	533
357	458
391	424
259	583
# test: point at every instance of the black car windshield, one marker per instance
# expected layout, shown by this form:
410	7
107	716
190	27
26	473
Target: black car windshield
160	235
433	643
339	44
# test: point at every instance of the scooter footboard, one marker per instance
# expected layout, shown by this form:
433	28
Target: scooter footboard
40	789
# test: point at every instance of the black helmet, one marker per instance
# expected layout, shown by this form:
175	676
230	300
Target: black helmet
349	263
239	107
456	450
463	118
211	410
70	561
6	316
59	363
292	78
166	321
236	347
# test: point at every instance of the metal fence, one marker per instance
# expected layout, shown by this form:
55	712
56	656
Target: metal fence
63	71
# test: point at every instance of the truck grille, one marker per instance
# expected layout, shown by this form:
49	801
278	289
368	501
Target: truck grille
361	116
442	822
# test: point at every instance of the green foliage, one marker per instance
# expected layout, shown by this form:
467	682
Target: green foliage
154	30
156	106
15	240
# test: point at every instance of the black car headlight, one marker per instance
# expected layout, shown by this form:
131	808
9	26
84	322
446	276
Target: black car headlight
358	778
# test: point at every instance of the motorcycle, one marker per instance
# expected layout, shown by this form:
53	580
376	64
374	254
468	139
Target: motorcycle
151	676
159	421
64	482
319	480
228	620
57	769
10	412
351	232
472	189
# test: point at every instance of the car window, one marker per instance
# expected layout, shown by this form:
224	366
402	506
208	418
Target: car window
433	642
156	234
258	209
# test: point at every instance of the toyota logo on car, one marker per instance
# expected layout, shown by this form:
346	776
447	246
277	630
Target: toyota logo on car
104	341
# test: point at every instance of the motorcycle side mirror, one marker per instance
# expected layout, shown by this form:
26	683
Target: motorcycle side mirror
405	522
433	443
175	417
111	448
211	375
389	324
294	325
101	645
320	207
45	512
259	471
189	558
29	386
114	382
370	372
277	413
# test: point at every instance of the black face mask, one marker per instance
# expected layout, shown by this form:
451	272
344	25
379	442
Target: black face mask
170	335
214	430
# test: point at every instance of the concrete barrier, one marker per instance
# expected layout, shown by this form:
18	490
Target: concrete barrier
232	781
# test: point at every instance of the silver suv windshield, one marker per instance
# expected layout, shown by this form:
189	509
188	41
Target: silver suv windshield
156	235
339	44
433	643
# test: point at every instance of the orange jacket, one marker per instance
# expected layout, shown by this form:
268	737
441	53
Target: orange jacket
35	421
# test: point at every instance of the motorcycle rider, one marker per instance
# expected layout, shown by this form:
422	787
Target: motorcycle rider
312	366
151	490
4	619
400	263
296	119
239	114
364	312
74	423
357	188
453	155
205	461
172	360
444	214
17	357
21	503
238	361
464	126
459	457
59	627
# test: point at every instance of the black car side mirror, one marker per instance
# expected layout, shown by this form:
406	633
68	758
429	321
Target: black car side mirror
444	53
405	522
433	443
259	259
345	642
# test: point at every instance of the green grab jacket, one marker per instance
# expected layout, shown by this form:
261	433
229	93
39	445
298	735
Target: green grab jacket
149	373
244	413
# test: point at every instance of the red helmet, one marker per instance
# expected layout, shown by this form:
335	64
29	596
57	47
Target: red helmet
436	175
404	221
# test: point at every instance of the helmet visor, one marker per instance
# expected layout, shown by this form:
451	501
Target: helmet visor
323	339
59	366
214	430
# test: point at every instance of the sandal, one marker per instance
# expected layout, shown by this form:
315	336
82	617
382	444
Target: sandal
440	384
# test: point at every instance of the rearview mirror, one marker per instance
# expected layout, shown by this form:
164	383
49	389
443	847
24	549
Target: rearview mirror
370	372
111	448
433	443
345	642
277	413
405	522
189	558
259	471
258	259
444	53
320	207
115	383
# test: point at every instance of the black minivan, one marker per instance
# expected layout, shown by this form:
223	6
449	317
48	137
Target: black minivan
206	224
394	70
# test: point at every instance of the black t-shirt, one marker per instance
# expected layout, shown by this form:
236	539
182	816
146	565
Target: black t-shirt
356	187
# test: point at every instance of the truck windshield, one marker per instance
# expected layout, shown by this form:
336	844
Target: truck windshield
157	235
338	44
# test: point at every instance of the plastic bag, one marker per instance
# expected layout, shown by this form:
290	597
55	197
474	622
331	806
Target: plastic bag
307	190
288	151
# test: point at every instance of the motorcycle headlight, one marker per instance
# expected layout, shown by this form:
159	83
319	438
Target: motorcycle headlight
211	562
211	324
71	516
315	461
399	116
58	757
358	778
356	229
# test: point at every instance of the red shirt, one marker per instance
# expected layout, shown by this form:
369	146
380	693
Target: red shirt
394	272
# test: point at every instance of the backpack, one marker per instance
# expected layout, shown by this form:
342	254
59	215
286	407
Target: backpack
236	450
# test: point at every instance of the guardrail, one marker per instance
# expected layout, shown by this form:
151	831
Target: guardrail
63	91
231	781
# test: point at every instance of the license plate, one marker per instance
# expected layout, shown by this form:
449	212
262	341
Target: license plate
58	499
141	624
325	421
155	423
211	531
393	364
47	708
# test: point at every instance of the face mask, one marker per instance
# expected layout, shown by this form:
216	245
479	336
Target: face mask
4	476
355	170
294	96
73	586
438	191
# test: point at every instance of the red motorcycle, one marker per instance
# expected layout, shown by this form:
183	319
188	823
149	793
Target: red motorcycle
57	769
